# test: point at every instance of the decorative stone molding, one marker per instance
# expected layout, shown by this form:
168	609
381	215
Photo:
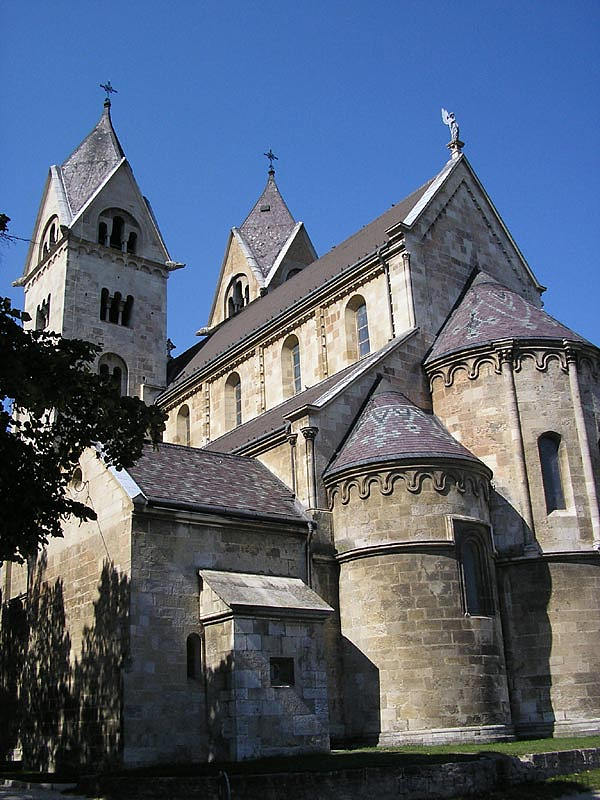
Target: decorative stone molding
542	353
412	478
231	365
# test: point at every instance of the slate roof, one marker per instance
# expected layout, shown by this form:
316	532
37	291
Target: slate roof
242	591
489	312
312	277
268	226
91	162
391	428
178	475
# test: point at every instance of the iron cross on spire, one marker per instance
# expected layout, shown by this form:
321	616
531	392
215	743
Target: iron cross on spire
272	157
109	90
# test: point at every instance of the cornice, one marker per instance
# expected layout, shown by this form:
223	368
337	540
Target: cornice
542	352
58	249
551	556
390	548
465	475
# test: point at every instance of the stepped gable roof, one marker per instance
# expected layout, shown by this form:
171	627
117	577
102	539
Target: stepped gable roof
268	226
179	476
312	277
91	162
489	312
391	428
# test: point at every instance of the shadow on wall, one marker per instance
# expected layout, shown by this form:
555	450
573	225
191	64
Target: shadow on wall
64	713
525	589
362	707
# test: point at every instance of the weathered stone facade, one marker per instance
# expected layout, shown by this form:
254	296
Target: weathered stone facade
375	514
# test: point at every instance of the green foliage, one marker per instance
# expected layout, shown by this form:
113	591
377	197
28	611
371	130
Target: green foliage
59	408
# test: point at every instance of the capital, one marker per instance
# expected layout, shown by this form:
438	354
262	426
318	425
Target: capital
310	432
292	439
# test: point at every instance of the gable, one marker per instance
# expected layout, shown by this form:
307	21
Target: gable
53	206
121	192
238	261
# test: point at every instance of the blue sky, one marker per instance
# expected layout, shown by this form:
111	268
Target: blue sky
347	94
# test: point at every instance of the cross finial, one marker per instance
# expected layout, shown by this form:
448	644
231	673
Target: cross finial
109	90
272	157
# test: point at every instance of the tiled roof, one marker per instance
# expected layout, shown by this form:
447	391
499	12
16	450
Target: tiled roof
391	428
241	591
91	162
312	277
175	474
489	312
273	420
268	226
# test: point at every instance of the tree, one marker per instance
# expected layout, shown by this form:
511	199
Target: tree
59	408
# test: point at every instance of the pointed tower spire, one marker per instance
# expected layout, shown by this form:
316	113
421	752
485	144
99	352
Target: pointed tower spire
268	226
91	161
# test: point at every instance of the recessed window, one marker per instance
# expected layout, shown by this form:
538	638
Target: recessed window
116	234
194	657
112	366
357	328
233	401
49	237
42	315
475	573
282	672
183	425
237	295
291	371
549	447
113	308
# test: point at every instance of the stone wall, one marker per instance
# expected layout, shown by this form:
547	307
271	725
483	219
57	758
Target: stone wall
166	711
551	621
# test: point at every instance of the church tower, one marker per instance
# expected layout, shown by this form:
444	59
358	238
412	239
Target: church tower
97	266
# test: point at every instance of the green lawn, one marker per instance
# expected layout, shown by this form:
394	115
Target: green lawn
552	788
343	759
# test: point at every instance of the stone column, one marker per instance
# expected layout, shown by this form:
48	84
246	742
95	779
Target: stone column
506	361
309	434
584	444
292	439
410	303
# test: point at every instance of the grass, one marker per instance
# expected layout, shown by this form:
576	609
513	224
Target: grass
338	759
552	788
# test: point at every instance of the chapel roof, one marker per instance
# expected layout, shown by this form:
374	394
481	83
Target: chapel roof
268	226
91	162
179	476
391	428
489	312
311	278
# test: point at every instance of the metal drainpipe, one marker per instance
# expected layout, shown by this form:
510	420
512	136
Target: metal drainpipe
311	529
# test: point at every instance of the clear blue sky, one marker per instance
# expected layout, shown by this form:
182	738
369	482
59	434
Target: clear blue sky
347	94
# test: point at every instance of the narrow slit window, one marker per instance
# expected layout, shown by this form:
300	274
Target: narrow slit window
362	330
194	657
549	445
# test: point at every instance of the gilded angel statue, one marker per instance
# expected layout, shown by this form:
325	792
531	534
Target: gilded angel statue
449	119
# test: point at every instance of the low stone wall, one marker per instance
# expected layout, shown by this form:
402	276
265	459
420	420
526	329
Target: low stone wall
410	782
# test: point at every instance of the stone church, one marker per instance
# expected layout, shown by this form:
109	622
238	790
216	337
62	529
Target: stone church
374	517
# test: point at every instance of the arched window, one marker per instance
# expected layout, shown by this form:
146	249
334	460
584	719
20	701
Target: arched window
104	297
233	401
127	309
292	272
116	234
115	308
131	242
291	372
237	296
102	232
194	657
549	447
475	575
183	425
357	328
112	366
49	237
42	315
